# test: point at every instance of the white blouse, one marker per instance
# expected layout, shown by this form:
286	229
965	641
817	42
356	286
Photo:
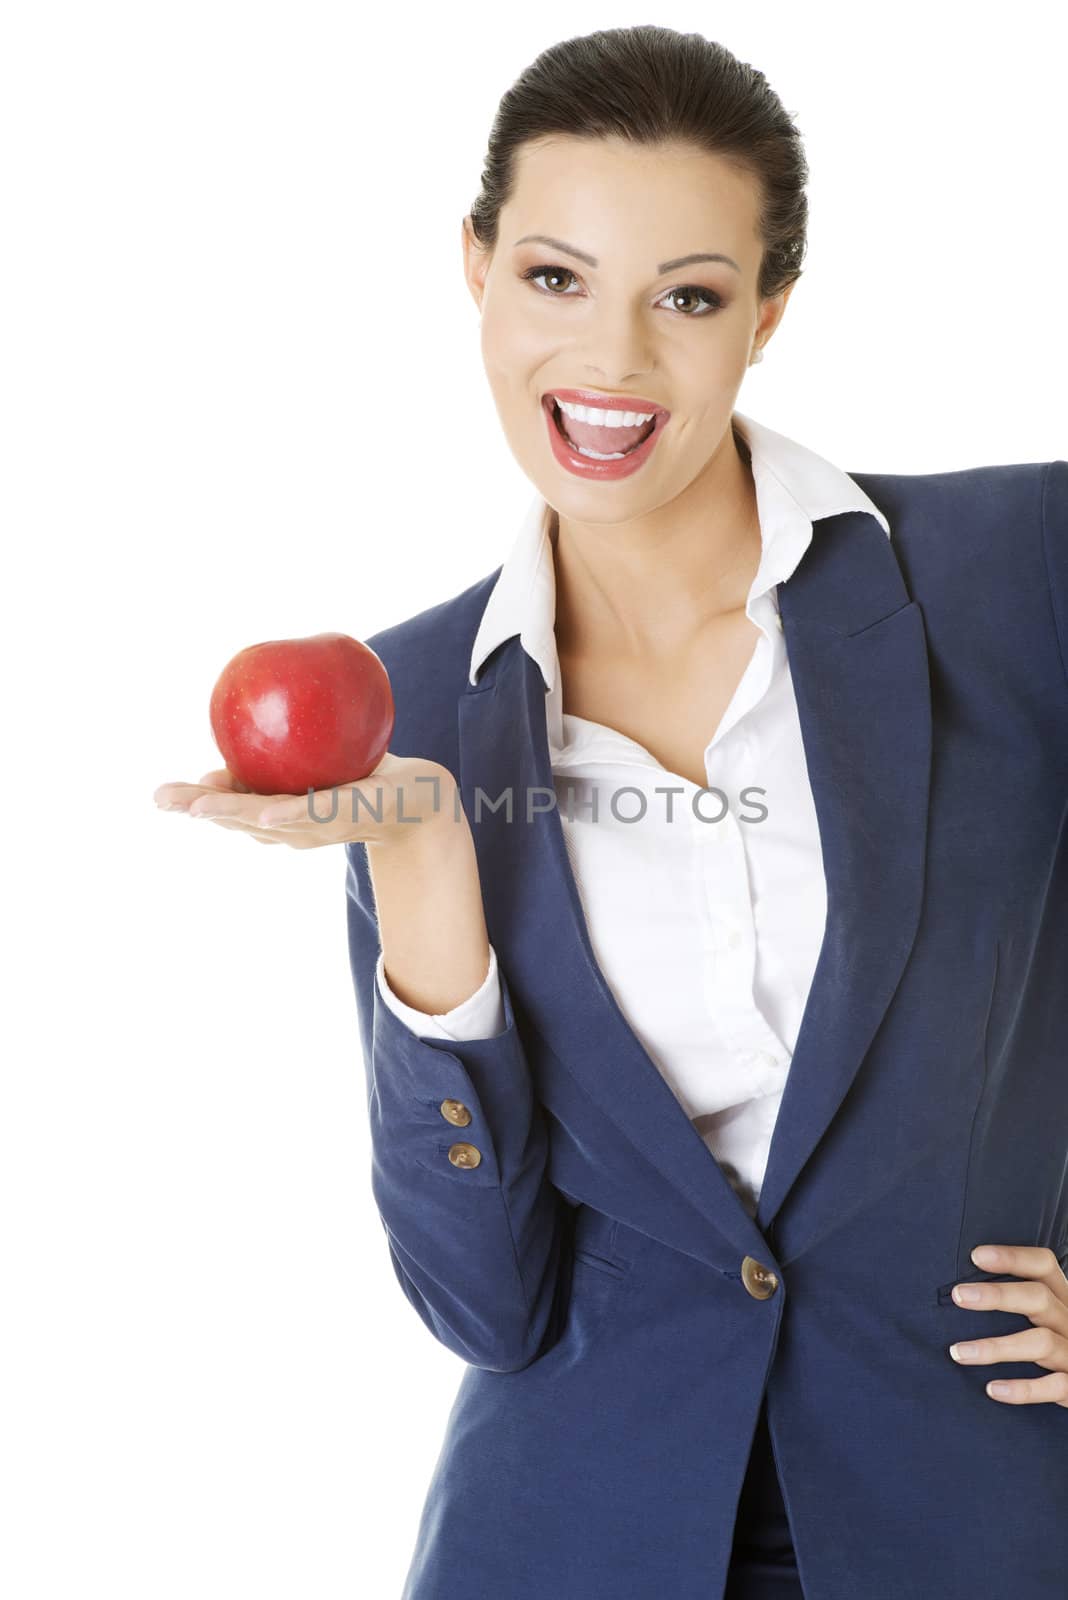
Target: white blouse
707	931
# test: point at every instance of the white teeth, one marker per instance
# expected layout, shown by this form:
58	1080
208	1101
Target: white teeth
604	419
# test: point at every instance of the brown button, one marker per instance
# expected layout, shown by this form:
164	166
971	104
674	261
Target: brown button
464	1155
758	1279
456	1112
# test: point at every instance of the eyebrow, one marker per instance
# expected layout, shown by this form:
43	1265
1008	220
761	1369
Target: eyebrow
591	261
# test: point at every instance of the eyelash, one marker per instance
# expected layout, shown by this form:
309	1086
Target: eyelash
712	300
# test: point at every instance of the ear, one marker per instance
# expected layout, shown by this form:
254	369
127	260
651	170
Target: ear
771	313
476	262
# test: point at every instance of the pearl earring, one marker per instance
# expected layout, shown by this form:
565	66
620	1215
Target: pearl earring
758	355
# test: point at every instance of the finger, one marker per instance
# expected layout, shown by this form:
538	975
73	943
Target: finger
180	796
1030	1391
243	808
284	812
1031	1298
259	834
295	841
1041	1345
247	811
223	778
316	809
175	796
1024	1261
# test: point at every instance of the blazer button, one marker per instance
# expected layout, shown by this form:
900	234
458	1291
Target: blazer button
758	1279
456	1112
464	1155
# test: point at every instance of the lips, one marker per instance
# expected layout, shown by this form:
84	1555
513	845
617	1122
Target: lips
607	402
619	443
596	437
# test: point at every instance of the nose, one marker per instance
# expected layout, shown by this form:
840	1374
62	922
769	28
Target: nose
621	355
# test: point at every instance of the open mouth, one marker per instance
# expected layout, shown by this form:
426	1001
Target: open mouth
599	442
595	439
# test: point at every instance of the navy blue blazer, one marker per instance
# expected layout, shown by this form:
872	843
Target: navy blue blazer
621	1314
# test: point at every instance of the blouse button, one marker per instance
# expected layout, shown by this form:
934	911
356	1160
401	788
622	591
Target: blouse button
464	1155
456	1112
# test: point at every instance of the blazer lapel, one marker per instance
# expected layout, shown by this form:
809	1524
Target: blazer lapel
536	922
857	650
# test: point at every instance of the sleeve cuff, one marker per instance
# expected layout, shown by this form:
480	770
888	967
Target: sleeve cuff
480	1016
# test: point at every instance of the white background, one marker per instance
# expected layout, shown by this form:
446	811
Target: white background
243	399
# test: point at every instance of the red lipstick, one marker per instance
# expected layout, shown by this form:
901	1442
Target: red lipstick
610	402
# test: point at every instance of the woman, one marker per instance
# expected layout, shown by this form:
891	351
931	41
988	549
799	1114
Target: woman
688	1162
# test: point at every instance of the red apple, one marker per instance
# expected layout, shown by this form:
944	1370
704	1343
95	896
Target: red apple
291	715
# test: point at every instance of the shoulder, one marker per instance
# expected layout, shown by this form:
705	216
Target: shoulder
428	657
990	515
985	493
985	552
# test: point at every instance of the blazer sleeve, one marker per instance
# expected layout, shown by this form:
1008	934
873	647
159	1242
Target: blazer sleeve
1055	548
477	1017
476	1248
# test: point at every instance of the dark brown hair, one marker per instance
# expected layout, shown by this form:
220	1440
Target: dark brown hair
651	85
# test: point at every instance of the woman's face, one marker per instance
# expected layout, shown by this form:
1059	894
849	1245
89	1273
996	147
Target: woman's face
635	324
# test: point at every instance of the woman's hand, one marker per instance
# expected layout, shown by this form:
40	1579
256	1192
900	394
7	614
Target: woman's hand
408	795
1043	1300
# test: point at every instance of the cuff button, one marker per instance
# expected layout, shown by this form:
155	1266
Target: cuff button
456	1112
464	1155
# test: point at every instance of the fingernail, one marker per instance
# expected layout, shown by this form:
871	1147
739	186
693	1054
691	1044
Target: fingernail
962	1352
967	1292
985	1255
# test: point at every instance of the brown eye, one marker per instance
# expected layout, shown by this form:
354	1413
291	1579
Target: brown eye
711	300
707	300
547	272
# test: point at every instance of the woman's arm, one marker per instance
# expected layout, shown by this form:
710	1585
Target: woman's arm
430	918
459	1142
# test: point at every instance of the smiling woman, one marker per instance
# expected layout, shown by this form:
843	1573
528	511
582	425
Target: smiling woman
667	1395
709	1104
615	352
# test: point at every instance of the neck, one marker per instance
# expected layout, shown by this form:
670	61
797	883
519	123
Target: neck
648	588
